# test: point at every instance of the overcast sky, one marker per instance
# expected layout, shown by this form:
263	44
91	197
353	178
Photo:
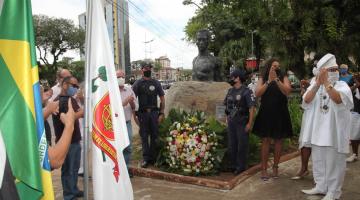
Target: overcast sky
161	20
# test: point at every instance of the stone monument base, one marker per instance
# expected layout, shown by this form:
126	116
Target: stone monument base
195	95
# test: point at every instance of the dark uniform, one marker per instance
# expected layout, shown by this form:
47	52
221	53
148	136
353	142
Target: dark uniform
147	92
238	102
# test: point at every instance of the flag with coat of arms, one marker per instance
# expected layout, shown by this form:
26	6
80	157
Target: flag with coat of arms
109	132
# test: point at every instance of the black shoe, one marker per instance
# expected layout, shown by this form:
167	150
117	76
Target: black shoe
145	164
80	194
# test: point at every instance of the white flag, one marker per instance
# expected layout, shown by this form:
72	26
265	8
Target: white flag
109	133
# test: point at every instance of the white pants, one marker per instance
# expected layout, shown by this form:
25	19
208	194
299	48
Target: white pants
328	170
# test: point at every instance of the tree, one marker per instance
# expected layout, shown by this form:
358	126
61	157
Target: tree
54	37
287	29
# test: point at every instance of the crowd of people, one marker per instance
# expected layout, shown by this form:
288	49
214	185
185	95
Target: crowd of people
63	110
331	120
330	101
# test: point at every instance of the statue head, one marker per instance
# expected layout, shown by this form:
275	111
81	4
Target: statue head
202	39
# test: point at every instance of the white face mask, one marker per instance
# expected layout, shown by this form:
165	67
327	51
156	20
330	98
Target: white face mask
121	81
333	77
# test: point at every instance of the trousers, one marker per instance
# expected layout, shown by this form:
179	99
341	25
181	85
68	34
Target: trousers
328	170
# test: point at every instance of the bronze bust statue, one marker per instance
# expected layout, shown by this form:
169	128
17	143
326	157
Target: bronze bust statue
206	67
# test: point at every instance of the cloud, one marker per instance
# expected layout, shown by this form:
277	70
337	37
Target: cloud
161	20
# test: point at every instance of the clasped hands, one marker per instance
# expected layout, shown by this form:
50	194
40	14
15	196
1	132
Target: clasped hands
272	75
322	78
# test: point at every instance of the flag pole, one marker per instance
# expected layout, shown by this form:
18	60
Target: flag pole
87	97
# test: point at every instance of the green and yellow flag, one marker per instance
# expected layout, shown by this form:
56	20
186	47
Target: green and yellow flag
21	120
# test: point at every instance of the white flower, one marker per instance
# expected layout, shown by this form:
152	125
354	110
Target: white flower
178	126
204	139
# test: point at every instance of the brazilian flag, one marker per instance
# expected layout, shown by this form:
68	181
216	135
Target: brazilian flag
21	119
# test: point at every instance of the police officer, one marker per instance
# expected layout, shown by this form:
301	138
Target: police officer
149	115
240	106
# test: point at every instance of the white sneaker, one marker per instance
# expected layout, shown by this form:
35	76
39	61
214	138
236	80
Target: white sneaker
327	197
313	191
352	158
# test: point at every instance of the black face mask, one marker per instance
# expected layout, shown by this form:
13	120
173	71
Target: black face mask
147	73
231	82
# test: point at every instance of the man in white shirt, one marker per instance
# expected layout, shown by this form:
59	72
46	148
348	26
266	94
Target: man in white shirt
328	101
129	104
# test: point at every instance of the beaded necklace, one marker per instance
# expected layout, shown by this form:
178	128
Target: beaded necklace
324	100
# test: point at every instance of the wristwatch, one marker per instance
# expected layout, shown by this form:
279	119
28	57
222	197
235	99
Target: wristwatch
161	113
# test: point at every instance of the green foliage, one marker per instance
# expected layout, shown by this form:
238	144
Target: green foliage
77	69
295	114
54	37
284	29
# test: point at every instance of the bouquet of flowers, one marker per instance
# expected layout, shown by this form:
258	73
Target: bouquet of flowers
193	145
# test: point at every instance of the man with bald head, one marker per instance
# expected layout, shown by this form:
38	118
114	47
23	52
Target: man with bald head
60	75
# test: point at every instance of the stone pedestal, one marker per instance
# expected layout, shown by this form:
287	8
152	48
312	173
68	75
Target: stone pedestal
194	95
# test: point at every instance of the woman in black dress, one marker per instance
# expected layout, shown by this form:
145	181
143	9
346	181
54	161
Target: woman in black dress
273	119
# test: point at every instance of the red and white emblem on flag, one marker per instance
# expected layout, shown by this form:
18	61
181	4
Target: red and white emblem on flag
103	133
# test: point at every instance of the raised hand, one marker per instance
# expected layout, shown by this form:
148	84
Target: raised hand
68	119
272	74
53	107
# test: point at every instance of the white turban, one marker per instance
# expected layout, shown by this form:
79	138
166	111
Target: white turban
326	61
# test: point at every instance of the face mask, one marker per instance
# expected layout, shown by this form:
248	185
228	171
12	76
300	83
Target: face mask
147	73
343	71
121	81
333	77
71	91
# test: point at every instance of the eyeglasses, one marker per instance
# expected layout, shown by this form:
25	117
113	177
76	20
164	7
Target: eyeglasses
74	85
332	69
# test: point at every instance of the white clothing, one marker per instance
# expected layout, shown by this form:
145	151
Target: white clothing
252	87
125	93
326	61
328	170
56	91
330	129
306	126
355	126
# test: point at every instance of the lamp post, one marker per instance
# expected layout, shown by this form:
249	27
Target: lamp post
148	42
188	2
252	43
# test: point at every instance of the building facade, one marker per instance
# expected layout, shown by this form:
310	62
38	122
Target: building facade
117	22
164	61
